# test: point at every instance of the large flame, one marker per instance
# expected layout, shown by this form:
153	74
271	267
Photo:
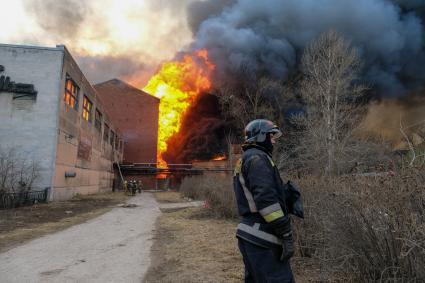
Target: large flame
177	84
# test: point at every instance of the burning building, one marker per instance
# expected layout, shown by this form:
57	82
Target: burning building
190	126
51	114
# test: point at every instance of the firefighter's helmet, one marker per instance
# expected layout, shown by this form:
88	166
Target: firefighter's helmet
256	131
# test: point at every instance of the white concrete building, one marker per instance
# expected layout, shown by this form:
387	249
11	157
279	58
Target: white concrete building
51	114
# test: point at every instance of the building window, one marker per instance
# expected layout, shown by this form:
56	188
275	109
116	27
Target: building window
111	140
98	120
71	93
87	108
116	142
106	132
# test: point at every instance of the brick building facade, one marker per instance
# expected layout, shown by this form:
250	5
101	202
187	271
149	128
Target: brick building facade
136	114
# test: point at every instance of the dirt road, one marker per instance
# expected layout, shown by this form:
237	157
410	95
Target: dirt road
114	247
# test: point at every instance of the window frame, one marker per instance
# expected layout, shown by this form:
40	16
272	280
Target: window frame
98	120
112	138
116	142
106	132
87	109
71	94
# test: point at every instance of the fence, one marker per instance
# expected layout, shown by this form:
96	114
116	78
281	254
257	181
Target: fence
12	200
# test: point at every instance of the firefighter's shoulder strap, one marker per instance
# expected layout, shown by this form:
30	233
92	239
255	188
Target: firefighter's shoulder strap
238	165
271	160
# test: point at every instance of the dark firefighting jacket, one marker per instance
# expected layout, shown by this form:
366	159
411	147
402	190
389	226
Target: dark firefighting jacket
260	197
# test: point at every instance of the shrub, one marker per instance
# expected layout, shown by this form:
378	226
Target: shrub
368	228
360	228
17	172
215	189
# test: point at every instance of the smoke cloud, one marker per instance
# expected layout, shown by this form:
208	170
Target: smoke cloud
123	67
134	32
270	36
60	18
200	11
410	4
388	118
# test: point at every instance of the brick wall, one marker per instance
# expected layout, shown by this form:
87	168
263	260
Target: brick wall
136	115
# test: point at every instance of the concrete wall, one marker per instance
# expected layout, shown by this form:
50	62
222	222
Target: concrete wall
28	125
92	174
44	129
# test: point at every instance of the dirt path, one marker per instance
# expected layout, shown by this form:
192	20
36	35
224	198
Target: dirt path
114	247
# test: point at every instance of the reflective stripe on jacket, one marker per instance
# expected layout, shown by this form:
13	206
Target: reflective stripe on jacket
260	197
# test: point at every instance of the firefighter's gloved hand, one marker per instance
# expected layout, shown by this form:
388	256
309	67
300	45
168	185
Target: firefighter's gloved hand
288	248
284	231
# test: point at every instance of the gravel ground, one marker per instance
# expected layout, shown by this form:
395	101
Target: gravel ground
114	247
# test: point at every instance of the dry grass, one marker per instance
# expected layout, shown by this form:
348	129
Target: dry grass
26	223
216	189
168	197
357	228
191	247
365	229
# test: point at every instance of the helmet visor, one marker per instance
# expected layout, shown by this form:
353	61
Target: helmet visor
275	133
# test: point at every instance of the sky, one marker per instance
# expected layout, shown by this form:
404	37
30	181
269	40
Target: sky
128	39
108	38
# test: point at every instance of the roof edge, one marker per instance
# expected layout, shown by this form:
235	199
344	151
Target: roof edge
57	48
126	84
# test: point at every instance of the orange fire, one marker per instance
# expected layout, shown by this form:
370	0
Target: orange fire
177	84
219	157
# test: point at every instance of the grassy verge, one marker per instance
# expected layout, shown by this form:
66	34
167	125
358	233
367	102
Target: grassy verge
194	245
26	223
191	246
169	197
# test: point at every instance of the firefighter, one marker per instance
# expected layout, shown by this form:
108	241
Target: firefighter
264	234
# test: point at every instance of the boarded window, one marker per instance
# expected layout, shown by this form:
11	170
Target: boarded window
98	120
84	147
106	132
71	93
87	109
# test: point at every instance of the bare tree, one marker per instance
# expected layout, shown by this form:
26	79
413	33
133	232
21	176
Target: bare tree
330	67
251	100
17	172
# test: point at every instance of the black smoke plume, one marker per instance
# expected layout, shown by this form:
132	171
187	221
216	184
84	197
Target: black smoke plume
267	38
270	36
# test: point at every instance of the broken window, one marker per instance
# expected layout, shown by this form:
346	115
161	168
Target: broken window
98	120
87	108
71	93
106	132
